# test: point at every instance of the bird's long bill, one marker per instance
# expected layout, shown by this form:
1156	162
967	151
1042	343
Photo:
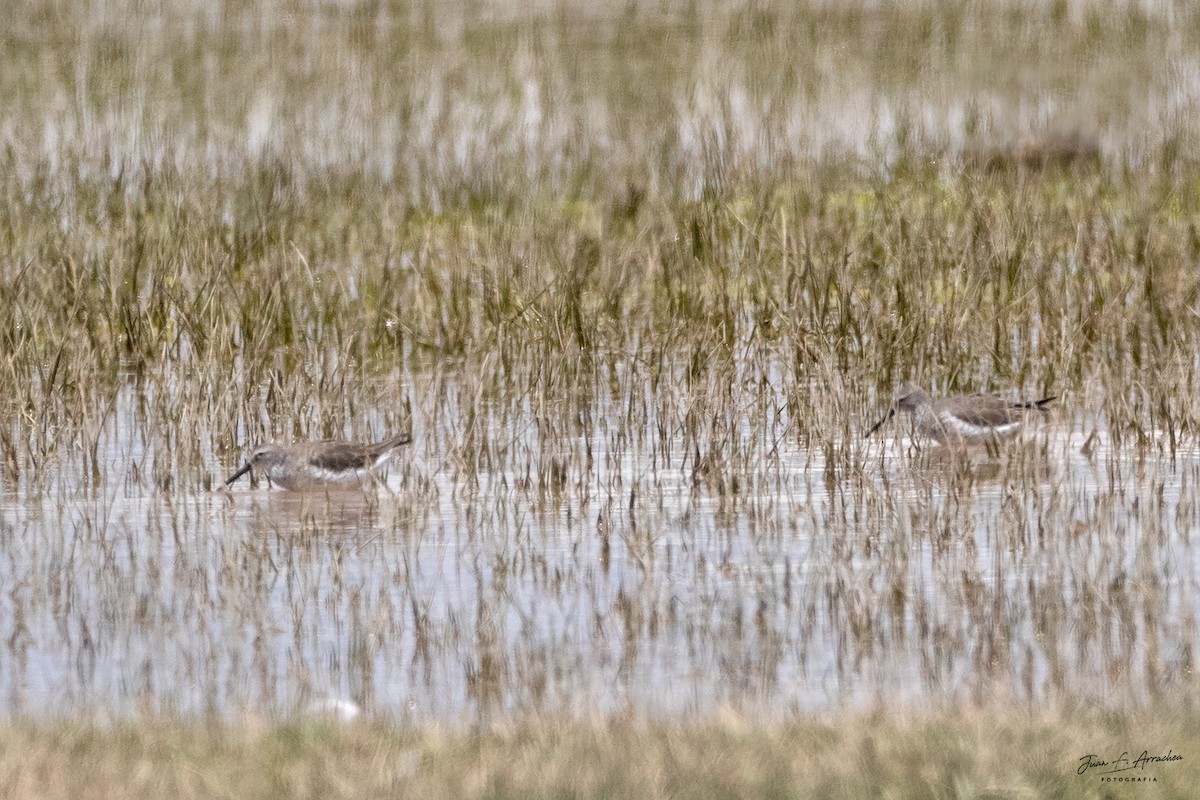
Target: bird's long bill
238	474
891	413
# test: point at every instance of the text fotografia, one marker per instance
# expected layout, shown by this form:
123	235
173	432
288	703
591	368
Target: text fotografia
1122	769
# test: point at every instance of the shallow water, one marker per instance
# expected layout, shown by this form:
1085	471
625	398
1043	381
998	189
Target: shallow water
625	576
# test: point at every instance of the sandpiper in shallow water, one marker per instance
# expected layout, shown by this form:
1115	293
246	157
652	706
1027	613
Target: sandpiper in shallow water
310	465
962	419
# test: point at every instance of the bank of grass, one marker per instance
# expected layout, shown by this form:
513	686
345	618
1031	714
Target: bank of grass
998	753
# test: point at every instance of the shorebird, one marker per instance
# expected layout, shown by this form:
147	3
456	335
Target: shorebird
310	465
962	419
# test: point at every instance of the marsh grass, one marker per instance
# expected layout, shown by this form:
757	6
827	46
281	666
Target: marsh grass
638	280
991	753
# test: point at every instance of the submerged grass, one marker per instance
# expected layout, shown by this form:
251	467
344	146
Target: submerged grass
267	322
972	282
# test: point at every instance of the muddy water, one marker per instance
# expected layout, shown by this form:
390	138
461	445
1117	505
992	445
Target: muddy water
603	569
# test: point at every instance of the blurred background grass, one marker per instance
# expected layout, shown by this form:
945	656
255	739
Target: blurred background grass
194	181
982	753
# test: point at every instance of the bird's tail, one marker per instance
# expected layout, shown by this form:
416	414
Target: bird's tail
394	442
1037	405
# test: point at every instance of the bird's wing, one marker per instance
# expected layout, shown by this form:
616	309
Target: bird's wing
983	410
340	457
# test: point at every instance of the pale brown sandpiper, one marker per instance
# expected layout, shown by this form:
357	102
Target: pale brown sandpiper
310	465
962	419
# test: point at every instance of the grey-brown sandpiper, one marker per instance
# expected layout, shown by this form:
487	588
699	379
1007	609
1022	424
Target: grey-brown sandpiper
311	465
964	418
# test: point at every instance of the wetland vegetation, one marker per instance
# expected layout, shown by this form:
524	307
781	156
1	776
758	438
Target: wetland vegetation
637	277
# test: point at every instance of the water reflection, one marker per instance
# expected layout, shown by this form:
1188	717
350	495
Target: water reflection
609	568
